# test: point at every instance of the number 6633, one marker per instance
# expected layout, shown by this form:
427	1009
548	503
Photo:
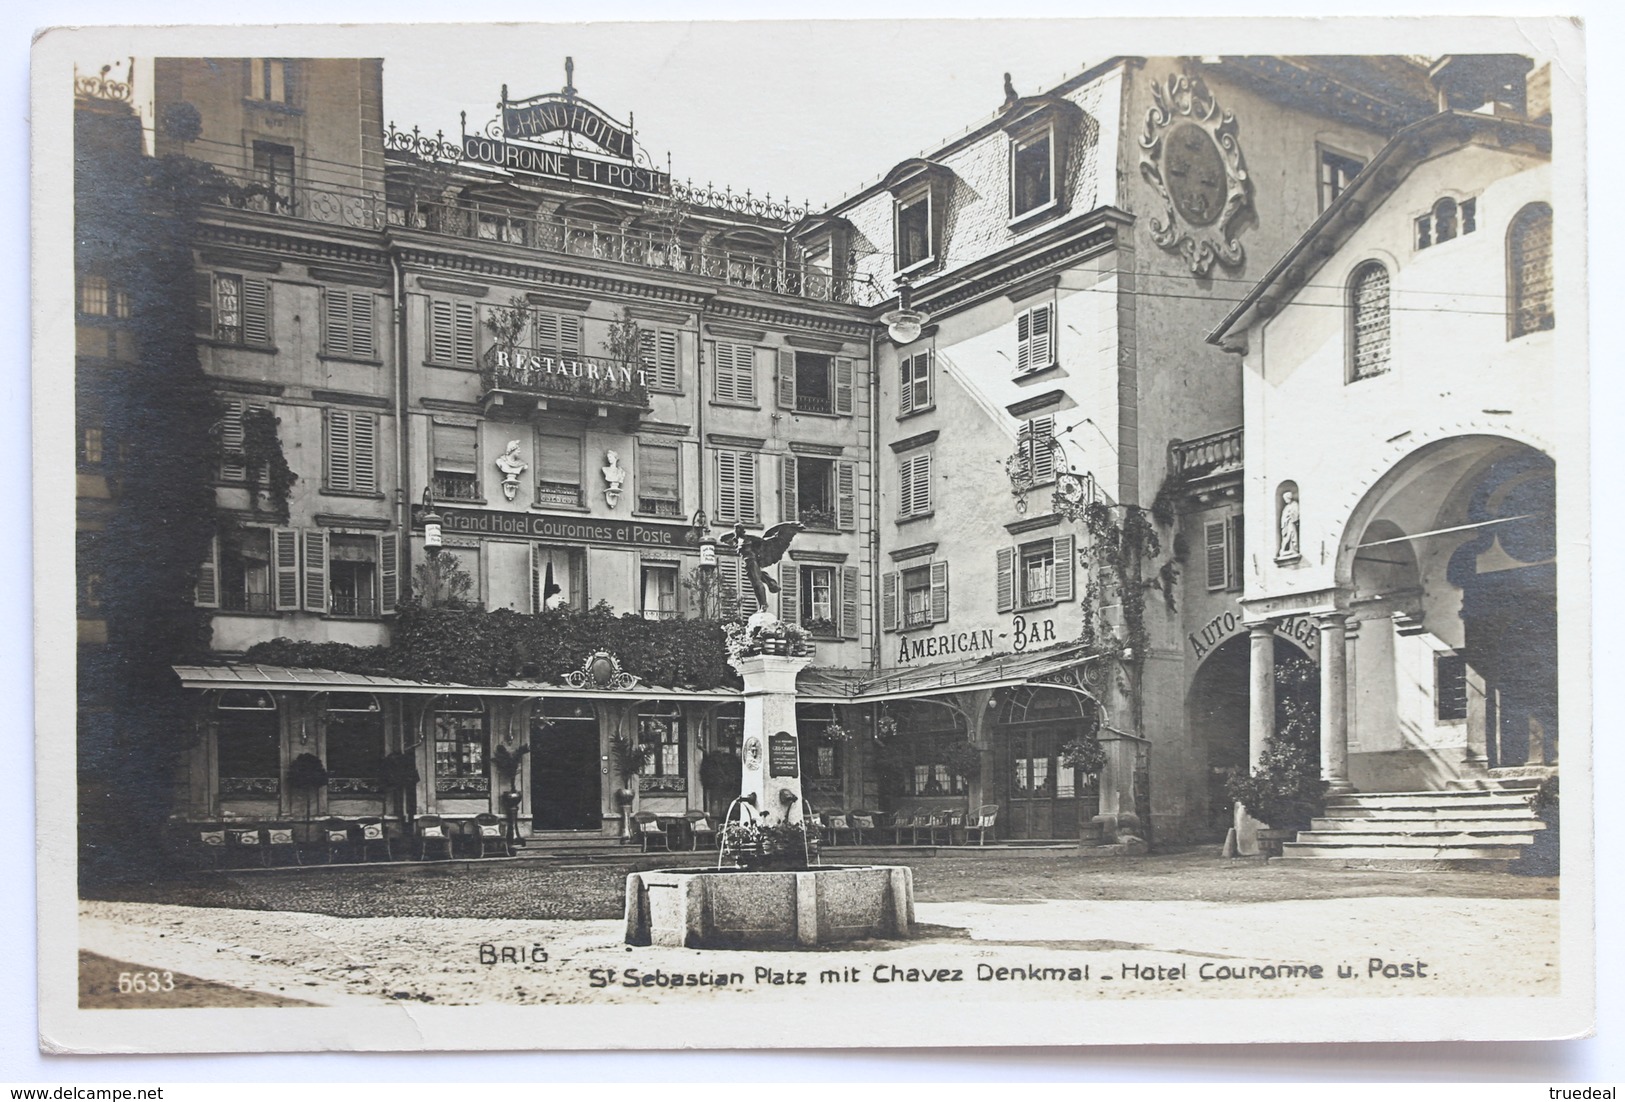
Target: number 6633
141	983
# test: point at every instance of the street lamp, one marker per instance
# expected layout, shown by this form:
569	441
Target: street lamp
903	324
431	525
708	544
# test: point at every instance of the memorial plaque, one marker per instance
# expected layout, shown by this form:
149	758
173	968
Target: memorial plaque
783	756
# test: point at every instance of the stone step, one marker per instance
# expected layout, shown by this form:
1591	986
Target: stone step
1401	801
1409	839
1519	823
1390	863
1431	852
1335	811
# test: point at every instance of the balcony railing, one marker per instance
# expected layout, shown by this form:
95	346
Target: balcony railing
586	379
567	494
660	506
647	248
353	606
328	202
244	602
453	487
1216	453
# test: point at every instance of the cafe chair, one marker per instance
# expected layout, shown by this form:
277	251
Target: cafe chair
902	820
836	823
432	831
373	833
947	821
247	841
336	837
281	838
489	831
924	819
699	826
650	830
211	840
861	821
982	821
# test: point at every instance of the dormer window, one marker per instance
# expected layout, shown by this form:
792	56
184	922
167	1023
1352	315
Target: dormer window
920	188
825	242
914	245
1040	129
1032	173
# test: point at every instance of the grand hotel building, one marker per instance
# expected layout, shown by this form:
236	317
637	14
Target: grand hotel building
584	370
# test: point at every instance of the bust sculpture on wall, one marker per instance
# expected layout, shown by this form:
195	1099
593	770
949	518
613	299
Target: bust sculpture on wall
511	466
614	475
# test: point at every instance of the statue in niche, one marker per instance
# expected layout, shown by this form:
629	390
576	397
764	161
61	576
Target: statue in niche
1288	548
511	466
614	475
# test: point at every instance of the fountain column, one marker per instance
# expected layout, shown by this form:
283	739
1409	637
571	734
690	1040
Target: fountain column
771	750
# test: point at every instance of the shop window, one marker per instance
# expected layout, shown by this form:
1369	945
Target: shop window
914	389
659	589
558	578
234	309
661	731
927	772
733	373
914	486
354	743
1337	172
1529	271
347	321
1446	221
461	748
248	744
273	171
451	333
659	484
1450	687
737	499
661	355
914	244
351	451
1035	338
815	382
1368	321
558	471
1032	173
1036	574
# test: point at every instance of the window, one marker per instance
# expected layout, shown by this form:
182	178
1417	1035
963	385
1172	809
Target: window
248	745
355	744
271	79
914	486
558	578
245	570
1035	338
1447	220
1529	271
352	576
822	599
556	334
92	446
460	748
659	591
736	499
914	384
352	452
926	772
558	471
98	298
733	373
659	486
1037	574
348	319
234	309
1337	172
914	230
734	585
820	493
662	733
1032	173
273	171
346	575
451	333
1223	558
662	365
447	563
815	382
914	598
818	601
456	463
1035	451
507	227
1368	308
1450	687
232	436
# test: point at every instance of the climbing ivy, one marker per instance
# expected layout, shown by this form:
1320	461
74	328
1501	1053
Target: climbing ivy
263	457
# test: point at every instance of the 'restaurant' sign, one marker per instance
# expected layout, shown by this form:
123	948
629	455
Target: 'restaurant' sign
604	533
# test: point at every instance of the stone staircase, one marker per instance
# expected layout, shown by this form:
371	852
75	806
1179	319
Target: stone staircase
1480	824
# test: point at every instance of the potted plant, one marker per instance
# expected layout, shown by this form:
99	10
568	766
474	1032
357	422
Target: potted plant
1086	754
306	774
398	774
1541	857
629	757
1285	792
507	763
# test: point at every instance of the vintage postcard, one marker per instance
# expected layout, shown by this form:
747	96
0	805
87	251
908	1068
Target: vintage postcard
815	534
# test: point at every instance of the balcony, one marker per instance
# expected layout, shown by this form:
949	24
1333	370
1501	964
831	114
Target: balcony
353	606
524	379
331	203
456	487
1218	453
566	494
645	248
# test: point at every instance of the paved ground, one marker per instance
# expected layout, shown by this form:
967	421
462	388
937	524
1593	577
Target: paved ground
1167	926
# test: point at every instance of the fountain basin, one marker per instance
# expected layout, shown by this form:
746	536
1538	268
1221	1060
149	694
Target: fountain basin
739	909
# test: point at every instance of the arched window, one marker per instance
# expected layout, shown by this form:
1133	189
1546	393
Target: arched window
1529	271
1368	320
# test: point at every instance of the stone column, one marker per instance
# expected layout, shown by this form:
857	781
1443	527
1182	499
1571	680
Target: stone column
1334	702
1260	720
772	748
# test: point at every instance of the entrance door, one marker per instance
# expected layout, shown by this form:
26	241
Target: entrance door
1045	798
566	786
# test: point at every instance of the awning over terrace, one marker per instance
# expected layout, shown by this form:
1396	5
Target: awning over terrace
836	686
292	679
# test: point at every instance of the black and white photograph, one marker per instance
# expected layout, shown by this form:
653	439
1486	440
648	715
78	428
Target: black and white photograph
811	535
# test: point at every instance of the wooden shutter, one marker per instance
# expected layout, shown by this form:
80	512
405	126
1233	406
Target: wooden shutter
207	592
463	334
315	570
846	495
336	318
1024	340
1215	533
787	378
535	581
749	503
1040	439
1005	567
1043	337
845	373
340	467
720	354
727	465
849	602
789	593
668	371
361	324
256	311
888	601
232	467
389	573
364	452
789	507
1065	549
730	570
921	481
442	344
905	386
939	592
1238	558
203	303
285	568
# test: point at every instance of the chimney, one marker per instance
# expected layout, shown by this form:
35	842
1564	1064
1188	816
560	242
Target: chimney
1491	84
